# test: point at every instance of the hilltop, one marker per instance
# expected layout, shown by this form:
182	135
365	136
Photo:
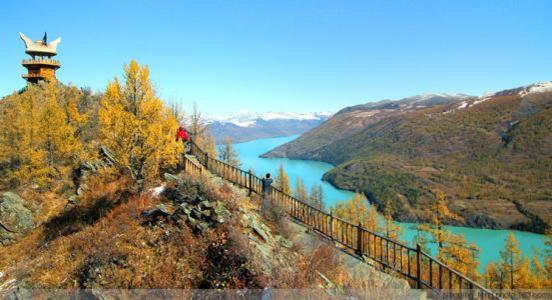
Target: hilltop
96	201
490	154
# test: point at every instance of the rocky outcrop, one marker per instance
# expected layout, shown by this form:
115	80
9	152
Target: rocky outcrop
106	160
189	205
15	218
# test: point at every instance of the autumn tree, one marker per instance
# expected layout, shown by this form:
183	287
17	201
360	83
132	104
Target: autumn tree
453	249
493	278
548	258
513	266
228	154
539	275
39	134
177	110
136	125
300	190
201	134
282	180
390	229
358	210
316	197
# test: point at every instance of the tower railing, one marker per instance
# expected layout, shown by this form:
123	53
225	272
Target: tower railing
41	61
419	268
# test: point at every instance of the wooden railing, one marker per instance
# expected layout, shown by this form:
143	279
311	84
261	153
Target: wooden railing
192	167
420	268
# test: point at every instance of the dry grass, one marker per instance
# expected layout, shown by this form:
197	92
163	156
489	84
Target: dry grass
103	242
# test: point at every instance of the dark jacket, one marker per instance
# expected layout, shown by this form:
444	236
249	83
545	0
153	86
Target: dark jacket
267	183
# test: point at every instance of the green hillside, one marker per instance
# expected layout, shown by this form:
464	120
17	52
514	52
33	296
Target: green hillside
492	157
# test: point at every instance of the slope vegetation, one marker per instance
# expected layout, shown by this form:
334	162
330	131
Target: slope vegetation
492	156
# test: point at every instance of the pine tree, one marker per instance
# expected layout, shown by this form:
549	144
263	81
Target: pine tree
200	132
452	249
300	190
282	180
539	278
493	279
136	125
39	134
390	229
460	255
548	259
513	266
317	196
358	210
228	154
177	110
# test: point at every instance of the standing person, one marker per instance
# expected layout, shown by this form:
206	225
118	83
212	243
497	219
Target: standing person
267	184
182	134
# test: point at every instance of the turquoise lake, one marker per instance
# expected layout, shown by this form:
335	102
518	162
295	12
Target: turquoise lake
490	242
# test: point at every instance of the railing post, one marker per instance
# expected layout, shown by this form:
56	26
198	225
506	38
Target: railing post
418	266
331	224
250	182
359	239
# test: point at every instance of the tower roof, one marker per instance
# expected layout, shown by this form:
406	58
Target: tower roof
40	47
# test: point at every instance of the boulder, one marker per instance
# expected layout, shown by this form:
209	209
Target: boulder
154	214
15	218
193	204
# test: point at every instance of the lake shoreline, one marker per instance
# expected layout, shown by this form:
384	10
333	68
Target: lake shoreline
490	241
476	219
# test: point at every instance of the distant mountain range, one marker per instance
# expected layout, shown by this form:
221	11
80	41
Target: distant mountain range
491	155
246	126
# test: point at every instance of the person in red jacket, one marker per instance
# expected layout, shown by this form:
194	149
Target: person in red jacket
181	134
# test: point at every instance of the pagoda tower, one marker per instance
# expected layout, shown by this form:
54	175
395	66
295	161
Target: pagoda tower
41	66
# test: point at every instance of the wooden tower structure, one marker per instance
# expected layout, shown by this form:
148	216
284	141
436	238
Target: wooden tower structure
41	66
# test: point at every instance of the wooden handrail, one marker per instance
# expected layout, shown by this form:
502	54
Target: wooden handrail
354	237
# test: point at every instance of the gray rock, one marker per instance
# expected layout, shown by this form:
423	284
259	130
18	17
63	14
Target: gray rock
160	211
171	177
15	218
260	229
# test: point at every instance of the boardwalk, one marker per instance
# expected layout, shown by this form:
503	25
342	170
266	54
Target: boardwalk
418	267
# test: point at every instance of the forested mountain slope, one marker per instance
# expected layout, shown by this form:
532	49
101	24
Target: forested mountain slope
491	155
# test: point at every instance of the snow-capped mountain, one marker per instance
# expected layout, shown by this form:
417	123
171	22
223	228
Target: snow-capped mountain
246	125
246	118
535	88
408	104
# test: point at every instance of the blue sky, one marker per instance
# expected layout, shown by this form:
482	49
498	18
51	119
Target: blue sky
288	55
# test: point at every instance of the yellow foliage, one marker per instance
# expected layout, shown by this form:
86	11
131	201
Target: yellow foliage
136	126
282	180
513	265
492	277
358	210
390	229
39	133
460	255
453	250
301	190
